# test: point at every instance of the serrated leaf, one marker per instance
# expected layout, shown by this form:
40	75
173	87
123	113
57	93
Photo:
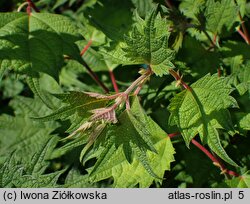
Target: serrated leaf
130	149
33	174
147	44
202	111
32	144
75	179
21	134
220	14
37	42
11	86
240	77
243	120
78	108
10	170
36	89
72	145
143	7
191	8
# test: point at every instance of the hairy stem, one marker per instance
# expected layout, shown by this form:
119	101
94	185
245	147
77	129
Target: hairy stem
112	76
124	96
138	81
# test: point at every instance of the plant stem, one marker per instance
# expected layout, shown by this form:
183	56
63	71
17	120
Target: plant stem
246	34
169	4
124	96
213	158
179	80
219	72
95	77
209	38
32	5
139	80
112	76
22	5
171	135
28	9
243	36
86	47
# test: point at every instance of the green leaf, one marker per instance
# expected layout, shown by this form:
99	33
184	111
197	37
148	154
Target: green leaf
34	85
130	149
202	111
191	8
11	86
243	121
143	7
147	44
34	176
240	77
32	144
240	182
75	179
72	145
36	43
200	57
220	14
78	108
24	173
21	134
9	171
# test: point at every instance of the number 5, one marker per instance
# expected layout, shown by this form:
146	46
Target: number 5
241	195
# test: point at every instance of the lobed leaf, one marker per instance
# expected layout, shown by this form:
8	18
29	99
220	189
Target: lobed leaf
146	44
202	111
36	43
139	147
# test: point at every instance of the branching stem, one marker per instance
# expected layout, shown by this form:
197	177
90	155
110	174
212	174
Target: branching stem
124	96
179	80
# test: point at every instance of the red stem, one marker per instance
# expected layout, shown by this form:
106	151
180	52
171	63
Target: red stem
243	36
28	9
219	72
210	155
247	37
32	5
169	4
179	79
86	47
171	135
112	76
95	77
213	158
